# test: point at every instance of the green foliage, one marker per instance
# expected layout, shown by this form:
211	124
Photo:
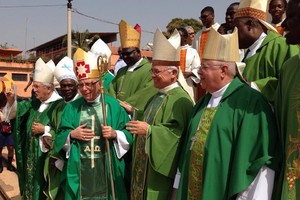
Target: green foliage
181	23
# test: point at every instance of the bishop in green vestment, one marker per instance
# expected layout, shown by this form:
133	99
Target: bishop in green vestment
287	108
266	50
231	150
88	172
158	138
32	120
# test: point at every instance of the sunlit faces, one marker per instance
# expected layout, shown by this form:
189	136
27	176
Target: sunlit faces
68	88
163	76
210	75
42	91
89	88
277	9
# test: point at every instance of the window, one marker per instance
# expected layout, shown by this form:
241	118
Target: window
19	77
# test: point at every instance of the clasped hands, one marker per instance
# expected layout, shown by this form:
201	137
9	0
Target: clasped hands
84	134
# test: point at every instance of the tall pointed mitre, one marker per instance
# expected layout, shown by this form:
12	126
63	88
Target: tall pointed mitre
85	65
256	9
43	72
130	38
64	70
222	47
166	52
100	48
51	64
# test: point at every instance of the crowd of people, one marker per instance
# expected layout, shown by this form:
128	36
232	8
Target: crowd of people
214	115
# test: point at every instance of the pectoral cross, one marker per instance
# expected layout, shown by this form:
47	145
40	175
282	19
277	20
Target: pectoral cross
193	139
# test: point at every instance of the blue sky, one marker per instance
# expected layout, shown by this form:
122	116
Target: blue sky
25	27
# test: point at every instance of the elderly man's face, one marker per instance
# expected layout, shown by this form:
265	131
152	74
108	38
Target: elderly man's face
68	88
210	75
89	88
163	76
292	23
41	91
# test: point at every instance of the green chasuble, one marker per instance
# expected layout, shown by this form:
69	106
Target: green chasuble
155	157
86	170
107	79
30	159
264	66
241	139
136	87
287	107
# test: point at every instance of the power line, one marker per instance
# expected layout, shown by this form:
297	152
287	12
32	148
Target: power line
35	6
102	20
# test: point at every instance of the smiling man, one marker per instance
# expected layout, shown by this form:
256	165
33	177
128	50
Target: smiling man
159	136
231	149
82	134
32	121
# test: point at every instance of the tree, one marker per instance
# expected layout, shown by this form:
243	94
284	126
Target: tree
181	23
82	40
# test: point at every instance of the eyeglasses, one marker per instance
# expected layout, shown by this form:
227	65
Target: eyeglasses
34	86
192	33
128	53
87	85
206	67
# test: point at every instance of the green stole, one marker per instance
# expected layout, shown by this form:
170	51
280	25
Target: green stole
93	184
197	154
140	159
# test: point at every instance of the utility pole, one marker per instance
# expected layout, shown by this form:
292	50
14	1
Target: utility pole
69	33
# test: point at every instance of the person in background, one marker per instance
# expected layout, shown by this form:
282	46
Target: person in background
81	138
6	138
191	34
228	26
277	10
265	49
189	65
231	149
287	109
158	137
207	17
31	122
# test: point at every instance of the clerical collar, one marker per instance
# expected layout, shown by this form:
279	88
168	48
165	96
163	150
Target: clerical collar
95	100
54	96
74	98
44	105
169	87
132	68
253	48
217	96
185	46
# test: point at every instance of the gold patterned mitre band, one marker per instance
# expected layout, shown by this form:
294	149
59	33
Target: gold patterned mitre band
130	38
85	65
251	12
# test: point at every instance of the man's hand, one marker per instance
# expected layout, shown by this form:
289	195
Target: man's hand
47	141
37	128
137	127
108	132
127	107
80	133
